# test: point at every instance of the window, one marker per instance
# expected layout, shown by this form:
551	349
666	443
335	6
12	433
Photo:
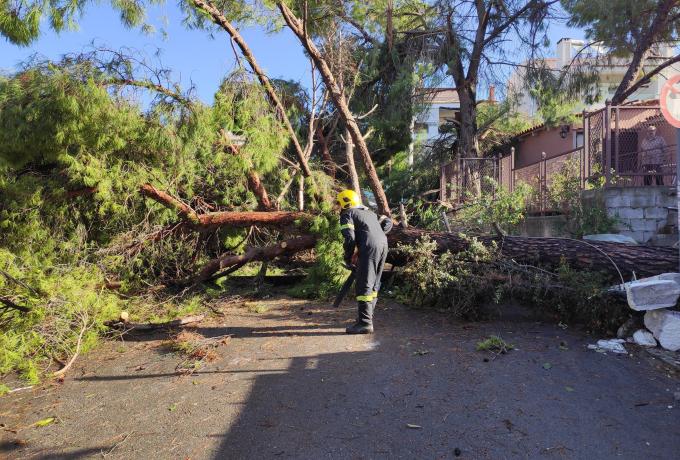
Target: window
579	139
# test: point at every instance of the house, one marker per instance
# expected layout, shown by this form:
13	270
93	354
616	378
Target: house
439	106
610	73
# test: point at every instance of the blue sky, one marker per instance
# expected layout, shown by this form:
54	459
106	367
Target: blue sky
193	55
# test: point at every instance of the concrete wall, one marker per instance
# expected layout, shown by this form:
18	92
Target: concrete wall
642	211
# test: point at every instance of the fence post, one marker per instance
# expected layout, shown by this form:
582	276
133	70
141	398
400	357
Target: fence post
607	142
617	147
542	181
496	173
512	169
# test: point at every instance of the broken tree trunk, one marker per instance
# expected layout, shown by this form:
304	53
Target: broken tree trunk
586	255
213	220
288	247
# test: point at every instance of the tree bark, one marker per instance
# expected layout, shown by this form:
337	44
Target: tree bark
328	163
218	18
351	167
255	184
586	255
340	103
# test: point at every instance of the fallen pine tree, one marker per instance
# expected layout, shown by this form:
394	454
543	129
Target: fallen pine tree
616	260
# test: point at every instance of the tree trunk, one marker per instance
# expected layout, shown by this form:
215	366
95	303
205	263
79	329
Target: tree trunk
340	103
585	255
328	163
255	184
467	140
609	258
218	18
351	167
642	50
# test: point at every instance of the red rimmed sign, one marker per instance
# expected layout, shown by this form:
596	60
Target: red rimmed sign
670	101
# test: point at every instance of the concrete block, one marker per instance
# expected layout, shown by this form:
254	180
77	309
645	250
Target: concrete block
611	238
643	225
665	325
646	236
667	241
644	338
646	294
637	236
616	201
666	198
630	213
642	201
656	213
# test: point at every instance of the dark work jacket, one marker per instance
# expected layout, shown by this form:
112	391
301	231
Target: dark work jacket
362	229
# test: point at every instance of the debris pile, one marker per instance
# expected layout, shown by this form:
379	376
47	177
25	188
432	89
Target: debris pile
657	296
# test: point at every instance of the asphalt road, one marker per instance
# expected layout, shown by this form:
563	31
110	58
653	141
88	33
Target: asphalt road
291	384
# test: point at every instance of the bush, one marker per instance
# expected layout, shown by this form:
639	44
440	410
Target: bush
505	208
465	283
325	278
564	194
453	282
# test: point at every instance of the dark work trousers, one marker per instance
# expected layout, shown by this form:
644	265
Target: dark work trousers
650	172
369	271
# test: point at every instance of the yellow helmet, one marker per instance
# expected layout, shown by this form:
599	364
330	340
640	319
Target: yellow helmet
348	199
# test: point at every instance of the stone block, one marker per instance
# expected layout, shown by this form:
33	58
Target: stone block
656	213
665	325
630	213
652	294
644	338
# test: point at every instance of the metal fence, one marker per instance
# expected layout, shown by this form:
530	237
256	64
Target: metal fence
467	178
618	148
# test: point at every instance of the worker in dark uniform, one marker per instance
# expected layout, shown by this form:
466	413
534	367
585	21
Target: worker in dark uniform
365	232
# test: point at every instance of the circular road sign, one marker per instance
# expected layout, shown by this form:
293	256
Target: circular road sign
670	101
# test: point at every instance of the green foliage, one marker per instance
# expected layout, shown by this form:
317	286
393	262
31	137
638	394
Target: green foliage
404	182
494	343
580	297
564	193
328	273
21	20
73	153
505	208
453	282
425	215
498	123
619	24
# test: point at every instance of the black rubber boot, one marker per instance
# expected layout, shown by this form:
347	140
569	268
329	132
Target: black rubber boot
359	328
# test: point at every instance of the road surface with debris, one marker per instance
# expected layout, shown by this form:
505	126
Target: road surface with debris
290	384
